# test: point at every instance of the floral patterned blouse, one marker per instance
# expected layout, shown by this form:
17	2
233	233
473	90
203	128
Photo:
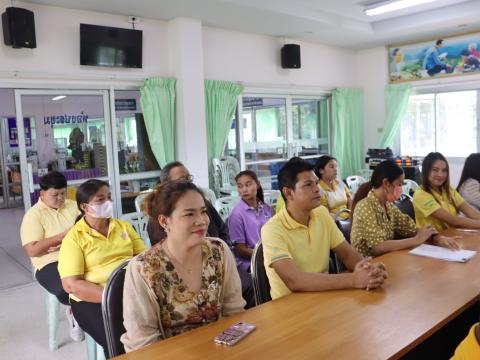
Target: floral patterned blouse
170	308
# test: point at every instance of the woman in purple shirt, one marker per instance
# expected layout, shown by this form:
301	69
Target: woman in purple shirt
248	217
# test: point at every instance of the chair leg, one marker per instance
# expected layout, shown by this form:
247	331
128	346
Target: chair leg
53	309
95	351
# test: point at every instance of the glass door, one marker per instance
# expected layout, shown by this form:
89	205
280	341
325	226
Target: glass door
272	129
68	131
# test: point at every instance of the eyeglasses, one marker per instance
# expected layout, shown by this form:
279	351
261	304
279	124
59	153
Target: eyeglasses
188	178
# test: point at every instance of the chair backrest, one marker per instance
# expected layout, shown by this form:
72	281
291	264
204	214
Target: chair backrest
354	182
140	199
345	226
139	222
409	187
224	171
225	205
271	197
209	194
405	204
112	310
261	285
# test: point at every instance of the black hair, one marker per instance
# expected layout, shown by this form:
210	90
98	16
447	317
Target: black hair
254	176
53	180
86	191
165	172
387	169
427	166
321	163
439	42
288	174
471	169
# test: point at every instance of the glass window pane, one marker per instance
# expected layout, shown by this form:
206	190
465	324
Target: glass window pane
134	151
265	128
310	126
418	127
457	119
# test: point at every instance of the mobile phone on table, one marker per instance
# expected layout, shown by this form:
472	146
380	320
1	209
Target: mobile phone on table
234	334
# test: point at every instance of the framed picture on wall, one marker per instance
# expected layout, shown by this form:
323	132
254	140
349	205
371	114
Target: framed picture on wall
441	57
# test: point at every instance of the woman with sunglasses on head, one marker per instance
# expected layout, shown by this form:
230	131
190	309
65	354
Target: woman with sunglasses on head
469	184
335	195
248	217
438	204
377	221
185	281
95	246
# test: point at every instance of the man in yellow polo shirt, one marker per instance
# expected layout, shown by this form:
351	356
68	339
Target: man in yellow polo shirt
297	241
42	231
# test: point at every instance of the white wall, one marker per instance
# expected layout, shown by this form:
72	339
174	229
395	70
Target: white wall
58	44
255	59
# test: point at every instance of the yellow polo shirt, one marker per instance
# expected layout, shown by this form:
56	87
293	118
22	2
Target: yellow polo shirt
334	199
88	253
308	246
469	348
425	205
41	222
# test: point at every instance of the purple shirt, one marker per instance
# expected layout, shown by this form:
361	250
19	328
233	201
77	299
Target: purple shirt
244	224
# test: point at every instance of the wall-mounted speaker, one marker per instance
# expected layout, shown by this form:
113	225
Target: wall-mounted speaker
19	28
291	56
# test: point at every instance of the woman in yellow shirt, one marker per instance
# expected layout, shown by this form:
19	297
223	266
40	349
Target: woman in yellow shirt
335	195
377	221
439	204
91	250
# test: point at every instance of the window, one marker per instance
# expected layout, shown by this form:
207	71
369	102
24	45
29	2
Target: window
268	130
436	122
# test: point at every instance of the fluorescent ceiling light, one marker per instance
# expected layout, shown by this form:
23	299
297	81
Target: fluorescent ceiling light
59	97
389	6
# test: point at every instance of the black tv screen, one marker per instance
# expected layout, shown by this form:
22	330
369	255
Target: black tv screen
109	46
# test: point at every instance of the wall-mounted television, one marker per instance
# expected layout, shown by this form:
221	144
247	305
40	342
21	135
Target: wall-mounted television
110	46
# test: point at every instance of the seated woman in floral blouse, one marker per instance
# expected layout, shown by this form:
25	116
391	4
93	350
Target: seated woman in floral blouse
185	281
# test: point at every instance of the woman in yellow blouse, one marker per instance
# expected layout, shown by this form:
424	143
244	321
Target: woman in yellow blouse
335	195
437	203
90	251
185	281
377	221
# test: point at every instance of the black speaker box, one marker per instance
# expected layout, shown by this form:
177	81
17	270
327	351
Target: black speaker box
291	56
19	28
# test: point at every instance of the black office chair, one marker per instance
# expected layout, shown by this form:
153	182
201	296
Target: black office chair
405	204
112	310
261	285
345	226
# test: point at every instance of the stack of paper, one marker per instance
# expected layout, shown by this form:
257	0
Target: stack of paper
442	253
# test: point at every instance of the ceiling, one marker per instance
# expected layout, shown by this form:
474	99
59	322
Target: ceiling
333	22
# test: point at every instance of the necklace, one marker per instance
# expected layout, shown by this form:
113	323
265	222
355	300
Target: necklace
170	255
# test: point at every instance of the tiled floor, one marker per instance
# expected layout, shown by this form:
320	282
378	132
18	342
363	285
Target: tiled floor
23	323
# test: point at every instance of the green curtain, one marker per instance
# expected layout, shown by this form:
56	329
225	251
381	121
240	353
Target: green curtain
347	123
396	102
220	103
157	97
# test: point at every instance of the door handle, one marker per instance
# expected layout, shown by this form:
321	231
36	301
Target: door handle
30	177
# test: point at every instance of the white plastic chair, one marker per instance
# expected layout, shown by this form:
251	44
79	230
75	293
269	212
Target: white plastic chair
225	205
271	197
354	182
139	222
409	187
140	199
224	171
209	194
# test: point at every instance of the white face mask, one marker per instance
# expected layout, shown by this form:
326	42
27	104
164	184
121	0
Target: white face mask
102	211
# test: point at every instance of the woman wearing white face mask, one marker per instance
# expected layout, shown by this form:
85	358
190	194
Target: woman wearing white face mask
90	251
377	221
